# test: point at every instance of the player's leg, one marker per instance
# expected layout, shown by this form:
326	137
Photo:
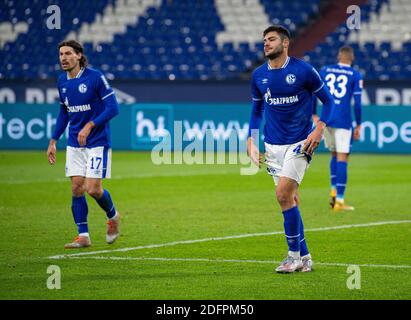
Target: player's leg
76	170
103	198
306	259
304	253
330	143
294	168
98	168
285	193
333	178
343	140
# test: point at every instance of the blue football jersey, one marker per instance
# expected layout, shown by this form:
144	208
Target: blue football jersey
343	82
287	96
83	98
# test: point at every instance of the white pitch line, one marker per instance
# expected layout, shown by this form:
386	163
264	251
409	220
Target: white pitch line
327	264
248	235
118	177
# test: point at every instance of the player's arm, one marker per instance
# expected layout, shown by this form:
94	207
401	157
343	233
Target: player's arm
316	85
107	96
61	124
315	115
254	126
358	84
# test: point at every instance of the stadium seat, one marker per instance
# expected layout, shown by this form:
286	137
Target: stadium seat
218	39
382	44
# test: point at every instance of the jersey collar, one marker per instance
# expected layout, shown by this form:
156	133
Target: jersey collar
77	76
282	67
343	64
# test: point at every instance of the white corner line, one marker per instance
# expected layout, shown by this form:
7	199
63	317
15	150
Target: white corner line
247	235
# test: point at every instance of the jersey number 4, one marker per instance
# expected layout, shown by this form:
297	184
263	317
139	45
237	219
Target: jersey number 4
297	149
337	85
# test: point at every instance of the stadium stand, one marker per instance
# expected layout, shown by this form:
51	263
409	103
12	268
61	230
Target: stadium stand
382	45
205	39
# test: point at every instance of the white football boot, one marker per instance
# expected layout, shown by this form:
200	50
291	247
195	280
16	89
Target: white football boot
113	231
290	264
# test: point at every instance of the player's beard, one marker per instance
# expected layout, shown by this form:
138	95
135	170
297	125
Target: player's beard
277	52
67	67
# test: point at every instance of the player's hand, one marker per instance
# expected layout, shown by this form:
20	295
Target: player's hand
84	133
253	152
315	118
51	152
314	138
357	132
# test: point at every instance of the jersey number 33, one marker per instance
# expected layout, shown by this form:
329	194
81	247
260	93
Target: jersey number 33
337	84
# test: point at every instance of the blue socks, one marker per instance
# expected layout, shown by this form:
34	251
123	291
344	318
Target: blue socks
341	179
333	172
107	205
292	220
294	231
303	244
80	210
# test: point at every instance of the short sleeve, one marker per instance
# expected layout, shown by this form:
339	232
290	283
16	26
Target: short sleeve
314	83
102	87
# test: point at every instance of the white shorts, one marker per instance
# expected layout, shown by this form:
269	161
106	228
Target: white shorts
88	162
338	139
286	161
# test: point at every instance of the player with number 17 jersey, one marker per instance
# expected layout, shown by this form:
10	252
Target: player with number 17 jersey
83	100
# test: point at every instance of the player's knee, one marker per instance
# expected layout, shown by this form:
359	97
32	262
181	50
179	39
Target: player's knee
95	192
284	197
342	157
78	190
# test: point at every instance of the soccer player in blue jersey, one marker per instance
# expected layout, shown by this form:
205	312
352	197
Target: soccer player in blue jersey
87	103
344	83
283	91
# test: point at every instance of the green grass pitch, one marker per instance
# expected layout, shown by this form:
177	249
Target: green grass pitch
168	204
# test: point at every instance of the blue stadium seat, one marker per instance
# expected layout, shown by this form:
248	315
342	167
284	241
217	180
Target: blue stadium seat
377	61
178	33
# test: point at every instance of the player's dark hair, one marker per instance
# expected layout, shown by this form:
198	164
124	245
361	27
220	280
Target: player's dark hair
281	30
78	48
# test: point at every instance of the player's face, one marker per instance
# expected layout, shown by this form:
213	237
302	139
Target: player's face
273	45
69	59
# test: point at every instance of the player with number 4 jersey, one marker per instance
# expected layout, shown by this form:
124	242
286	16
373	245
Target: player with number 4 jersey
283	89
344	83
